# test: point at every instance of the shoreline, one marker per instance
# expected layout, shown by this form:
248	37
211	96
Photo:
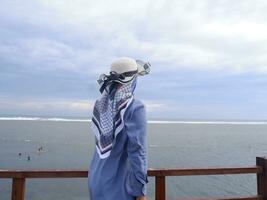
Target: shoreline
55	119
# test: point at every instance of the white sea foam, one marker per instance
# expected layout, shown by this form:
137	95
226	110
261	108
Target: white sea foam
20	118
209	122
149	121
42	119
153	145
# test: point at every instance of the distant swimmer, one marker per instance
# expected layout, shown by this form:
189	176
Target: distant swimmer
19	154
40	148
29	158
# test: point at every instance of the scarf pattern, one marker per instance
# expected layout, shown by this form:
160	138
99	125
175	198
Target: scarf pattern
108	112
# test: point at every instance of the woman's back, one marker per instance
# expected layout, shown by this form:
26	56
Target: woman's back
122	175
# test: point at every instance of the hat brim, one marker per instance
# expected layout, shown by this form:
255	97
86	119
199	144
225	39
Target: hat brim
126	79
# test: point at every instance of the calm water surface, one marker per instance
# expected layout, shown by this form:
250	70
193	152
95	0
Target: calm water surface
69	145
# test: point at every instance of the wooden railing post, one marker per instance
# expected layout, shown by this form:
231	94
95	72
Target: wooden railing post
262	177
18	189
160	188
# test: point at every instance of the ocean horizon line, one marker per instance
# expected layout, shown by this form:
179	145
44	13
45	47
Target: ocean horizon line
149	121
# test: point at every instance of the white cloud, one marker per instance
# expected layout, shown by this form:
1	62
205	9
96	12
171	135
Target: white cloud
56	104
84	36
152	106
196	34
47	104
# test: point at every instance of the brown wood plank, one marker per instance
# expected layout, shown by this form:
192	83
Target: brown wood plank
204	171
20	175
260	177
256	197
18	189
81	173
53	173
160	188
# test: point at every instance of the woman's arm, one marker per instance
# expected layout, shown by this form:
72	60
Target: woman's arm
137	151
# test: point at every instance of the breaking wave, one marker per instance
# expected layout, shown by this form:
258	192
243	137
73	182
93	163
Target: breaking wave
149	121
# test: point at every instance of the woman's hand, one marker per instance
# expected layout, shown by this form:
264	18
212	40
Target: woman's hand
141	198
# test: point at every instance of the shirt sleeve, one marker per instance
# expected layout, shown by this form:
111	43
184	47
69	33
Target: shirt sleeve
137	151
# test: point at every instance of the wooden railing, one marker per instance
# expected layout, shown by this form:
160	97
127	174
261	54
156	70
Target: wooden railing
19	177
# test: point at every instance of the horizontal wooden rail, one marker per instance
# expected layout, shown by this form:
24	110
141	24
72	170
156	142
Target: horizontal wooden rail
81	173
204	171
19	177
255	197
47	173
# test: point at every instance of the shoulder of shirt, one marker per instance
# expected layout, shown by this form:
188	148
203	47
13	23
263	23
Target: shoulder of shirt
137	104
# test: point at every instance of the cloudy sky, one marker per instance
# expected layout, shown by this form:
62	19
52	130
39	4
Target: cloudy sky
209	57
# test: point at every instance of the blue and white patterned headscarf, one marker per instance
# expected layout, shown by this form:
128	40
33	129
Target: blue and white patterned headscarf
107	120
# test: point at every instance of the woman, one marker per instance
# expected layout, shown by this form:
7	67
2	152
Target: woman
118	169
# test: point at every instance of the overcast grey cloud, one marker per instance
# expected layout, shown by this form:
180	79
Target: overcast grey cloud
209	58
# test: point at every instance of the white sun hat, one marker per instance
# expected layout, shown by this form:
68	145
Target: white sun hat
123	70
125	66
129	68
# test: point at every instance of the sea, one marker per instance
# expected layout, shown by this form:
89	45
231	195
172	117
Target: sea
57	143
